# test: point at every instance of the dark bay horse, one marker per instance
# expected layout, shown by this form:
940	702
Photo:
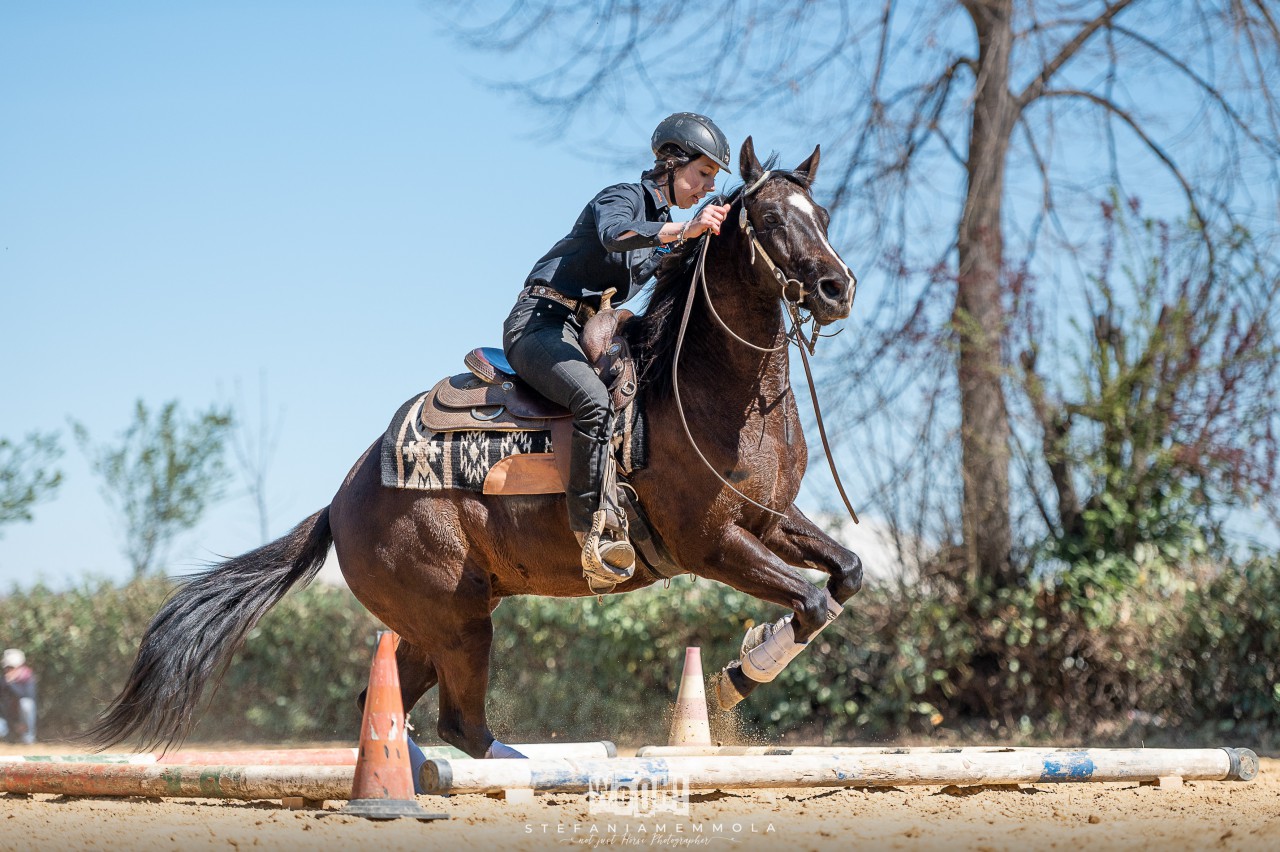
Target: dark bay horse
434	565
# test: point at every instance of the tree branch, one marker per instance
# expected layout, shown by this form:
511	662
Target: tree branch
1037	86
1159	152
1054	426
877	77
1214	94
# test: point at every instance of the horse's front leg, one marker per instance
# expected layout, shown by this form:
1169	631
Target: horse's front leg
748	565
799	541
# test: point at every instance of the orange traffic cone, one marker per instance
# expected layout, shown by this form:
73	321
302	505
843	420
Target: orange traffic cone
383	787
689	725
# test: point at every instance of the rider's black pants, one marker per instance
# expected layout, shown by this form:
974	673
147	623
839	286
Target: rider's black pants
540	339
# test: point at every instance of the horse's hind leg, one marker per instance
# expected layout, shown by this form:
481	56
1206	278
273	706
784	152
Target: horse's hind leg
463	665
417	675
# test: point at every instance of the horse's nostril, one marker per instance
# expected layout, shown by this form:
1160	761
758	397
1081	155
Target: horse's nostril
831	289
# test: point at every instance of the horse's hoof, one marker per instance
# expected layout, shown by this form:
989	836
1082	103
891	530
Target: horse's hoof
502	751
727	694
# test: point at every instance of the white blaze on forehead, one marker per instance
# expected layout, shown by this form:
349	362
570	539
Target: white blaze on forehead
802	203
799	200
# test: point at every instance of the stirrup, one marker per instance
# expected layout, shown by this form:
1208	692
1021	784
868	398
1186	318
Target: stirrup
605	562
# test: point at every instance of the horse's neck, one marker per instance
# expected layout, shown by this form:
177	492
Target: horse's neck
732	370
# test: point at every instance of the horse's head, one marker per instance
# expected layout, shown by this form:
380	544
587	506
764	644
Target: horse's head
792	229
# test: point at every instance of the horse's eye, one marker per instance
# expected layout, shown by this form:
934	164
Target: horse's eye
771	218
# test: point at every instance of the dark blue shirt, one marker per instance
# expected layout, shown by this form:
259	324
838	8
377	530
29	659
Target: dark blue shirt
594	256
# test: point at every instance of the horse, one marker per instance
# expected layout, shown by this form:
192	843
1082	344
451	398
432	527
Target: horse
433	565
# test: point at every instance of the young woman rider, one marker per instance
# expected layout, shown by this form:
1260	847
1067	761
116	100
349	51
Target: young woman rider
612	244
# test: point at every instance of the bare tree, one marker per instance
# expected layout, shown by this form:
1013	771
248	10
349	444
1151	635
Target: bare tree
166	469
254	451
931	114
1167	417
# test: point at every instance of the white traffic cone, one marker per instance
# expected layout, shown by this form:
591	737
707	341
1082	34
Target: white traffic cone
689	725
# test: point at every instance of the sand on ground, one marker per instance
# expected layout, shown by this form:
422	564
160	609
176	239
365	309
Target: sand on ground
1198	815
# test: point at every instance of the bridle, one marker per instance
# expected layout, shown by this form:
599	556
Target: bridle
744	224
794	335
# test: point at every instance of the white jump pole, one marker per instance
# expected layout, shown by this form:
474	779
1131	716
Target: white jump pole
302	756
776	751
198	782
600	749
777	771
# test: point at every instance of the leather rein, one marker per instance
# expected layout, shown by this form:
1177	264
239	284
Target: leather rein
794	335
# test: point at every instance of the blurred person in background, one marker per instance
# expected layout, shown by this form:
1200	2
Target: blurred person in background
18	707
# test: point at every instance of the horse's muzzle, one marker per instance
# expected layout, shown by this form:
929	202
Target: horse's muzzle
832	298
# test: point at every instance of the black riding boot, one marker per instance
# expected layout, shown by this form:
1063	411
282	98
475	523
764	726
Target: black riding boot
594	515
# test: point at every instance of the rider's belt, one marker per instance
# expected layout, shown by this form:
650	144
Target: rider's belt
577	306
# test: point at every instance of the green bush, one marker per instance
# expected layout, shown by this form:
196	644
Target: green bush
1056	659
295	678
1230	653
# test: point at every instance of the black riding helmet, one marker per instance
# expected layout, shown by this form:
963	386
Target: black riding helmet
694	134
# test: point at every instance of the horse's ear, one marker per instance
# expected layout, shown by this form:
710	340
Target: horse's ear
747	162
809	168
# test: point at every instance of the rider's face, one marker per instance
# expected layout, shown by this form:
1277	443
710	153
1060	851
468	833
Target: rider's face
694	180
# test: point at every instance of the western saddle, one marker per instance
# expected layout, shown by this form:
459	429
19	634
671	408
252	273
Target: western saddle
492	398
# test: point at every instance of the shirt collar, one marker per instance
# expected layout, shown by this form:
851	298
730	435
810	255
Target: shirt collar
656	194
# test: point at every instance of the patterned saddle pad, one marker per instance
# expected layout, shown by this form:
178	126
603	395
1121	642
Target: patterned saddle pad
417	458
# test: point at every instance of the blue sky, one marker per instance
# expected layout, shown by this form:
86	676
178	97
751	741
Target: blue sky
320	198
316	195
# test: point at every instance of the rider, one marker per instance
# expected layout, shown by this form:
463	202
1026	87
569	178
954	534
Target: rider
615	243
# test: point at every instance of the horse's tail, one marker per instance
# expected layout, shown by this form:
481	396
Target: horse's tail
200	626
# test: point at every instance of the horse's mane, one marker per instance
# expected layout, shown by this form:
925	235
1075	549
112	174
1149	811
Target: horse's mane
653	336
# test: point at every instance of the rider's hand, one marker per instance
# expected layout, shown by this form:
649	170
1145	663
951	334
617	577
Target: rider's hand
709	218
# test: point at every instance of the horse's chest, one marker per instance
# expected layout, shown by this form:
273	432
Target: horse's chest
780	444
794	454
757	447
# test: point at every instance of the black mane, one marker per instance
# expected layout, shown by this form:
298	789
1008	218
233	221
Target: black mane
653	335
